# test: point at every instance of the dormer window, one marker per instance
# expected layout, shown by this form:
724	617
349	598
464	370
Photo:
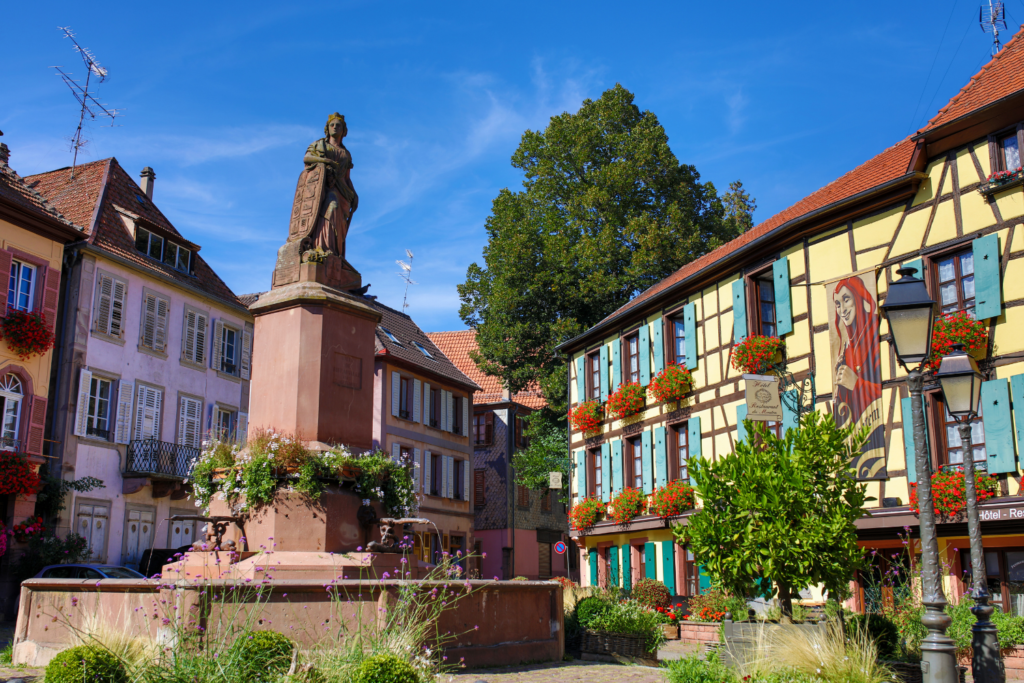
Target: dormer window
149	244
177	257
423	350
390	336
156	247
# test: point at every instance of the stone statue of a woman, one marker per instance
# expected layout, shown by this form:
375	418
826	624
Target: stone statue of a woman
325	198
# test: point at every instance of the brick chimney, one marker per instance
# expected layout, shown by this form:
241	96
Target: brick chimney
148	180
5	154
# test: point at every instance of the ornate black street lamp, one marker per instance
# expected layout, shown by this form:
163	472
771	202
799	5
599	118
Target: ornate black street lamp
911	315
961	390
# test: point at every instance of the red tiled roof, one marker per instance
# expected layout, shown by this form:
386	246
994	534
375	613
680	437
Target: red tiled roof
407	336
457	346
77	197
15	190
1000	77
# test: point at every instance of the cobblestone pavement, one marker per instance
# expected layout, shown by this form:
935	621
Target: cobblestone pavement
564	672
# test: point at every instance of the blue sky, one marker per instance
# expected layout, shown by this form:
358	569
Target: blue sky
221	100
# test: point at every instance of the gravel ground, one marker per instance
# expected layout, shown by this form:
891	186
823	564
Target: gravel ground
564	672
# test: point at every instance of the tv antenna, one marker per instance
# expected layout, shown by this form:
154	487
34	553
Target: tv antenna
86	98
991	20
406	275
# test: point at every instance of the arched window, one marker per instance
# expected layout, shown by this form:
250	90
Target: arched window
11	393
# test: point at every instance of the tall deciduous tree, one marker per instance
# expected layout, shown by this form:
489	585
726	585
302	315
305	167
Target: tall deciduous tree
781	512
606	211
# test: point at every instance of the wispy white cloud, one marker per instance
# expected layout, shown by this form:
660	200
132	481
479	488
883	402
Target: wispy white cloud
736	102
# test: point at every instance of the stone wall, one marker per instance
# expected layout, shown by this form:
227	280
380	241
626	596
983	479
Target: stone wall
494	514
698	632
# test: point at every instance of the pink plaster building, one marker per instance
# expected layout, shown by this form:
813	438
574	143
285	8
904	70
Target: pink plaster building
153	353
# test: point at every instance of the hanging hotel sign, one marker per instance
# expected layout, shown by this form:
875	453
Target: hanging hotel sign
856	365
554	480
763	400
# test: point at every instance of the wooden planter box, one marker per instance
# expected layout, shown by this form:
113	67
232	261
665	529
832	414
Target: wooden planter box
671	631
621	644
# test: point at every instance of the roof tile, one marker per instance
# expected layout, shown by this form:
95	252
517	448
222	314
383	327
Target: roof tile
457	346
407	332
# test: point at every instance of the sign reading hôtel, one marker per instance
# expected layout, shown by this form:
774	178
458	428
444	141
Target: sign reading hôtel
763	400
1001	514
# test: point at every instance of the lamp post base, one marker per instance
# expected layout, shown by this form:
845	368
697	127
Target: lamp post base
986	663
938	651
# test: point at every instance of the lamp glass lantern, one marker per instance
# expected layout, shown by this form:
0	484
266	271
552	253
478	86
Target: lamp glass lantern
911	315
960	380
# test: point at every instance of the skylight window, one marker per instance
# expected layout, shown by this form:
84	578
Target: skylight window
390	336
422	349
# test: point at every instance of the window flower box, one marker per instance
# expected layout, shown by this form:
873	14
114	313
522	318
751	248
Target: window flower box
17	475
671	384
627	505
757	355
957	328
674	498
949	491
585	513
628	400
1001	180
27	334
587	416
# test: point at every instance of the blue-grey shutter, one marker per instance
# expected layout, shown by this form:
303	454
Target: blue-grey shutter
690	332
581	474
741	415
627	567
650	561
739	310
604	373
616	377
693	425
606	472
1017	391
581	378
661	451
988	291
616	467
790	410
995	414
613	565
658	342
705	580
593	566
645	453
644	339
908	439
668	565
783	307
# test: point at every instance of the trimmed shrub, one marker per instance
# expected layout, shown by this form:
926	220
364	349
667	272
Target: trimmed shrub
85	663
693	669
386	669
589	609
651	593
264	654
881	630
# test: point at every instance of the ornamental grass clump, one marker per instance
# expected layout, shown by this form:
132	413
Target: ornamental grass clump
755	355
627	400
674	498
585	513
671	384
586	417
952	329
949	491
627	505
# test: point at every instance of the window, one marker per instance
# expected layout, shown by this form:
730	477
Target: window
190	413
177	257
952	448
479	487
955	275
149	244
435	408
594	374
634	462
153	332
1004	569
691	573
633	357
1009	153
680	460
193	343
641	564
594	490
389	335
522	496
12	395
457	417
436	472
483	428
423	350
545	501
765	312
148	404
108	311
520	435
678	332
22	287
459	478
97	420
228	349
223	420
405	398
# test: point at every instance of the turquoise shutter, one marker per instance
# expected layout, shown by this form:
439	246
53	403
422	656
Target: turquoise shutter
988	291
627	567
616	378
658	342
693	425
908	438
613	565
581	473
660	457
790	414
739	310
616	467
741	415
668	565
644	339
783	307
690	332
581	378
995	414
645	445
650	561
606	472
705	580
593	566
1017	390
604	373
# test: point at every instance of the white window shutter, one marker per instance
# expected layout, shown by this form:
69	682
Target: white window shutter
442	486
450	477
123	420
81	411
147	331
117	308
189	422
427	471
416	468
202	322
395	389
246	353
140	412
396	452
188	336
426	403
242	428
466	494
160	338
416	386
104	293
444	409
465	416
450	398
218	346
158	401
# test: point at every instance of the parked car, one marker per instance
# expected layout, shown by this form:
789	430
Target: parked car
87	571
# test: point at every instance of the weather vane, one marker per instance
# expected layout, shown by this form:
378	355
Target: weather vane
406	275
86	98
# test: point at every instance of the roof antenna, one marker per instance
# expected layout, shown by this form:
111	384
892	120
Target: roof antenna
406	275
991	20
85	97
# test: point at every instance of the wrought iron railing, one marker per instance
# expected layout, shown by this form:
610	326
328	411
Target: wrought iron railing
8	443
149	456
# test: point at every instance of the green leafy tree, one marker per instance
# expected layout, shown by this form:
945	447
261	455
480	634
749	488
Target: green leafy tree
606	211
739	207
780	514
547	451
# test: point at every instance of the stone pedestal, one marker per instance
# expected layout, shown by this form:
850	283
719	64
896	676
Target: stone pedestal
313	362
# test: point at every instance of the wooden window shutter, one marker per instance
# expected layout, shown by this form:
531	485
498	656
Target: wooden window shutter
451	411
613	380
426	404
416	388
81	410
606	472
908	438
189	422
668	565
783	306
396	452
479	487
123	418
523	497
693	443
644	339
147	336
464	464
396	389
739	310
660	461
581	379
49	280
545	501
465	416
160	336
658	344
188	336
987	285
581	474
120	292
428	466
417	470
242	430
104	294
741	415
1017	392
450	477
690	330
790	410
650	561
36	425
6	263
218	346
995	414
617	467
489	427
246	362
202	321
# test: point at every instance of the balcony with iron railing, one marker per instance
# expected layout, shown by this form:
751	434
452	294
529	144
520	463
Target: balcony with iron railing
9	443
160	458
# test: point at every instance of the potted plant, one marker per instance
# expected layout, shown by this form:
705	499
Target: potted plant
671	384
586	417
627	400
585	513
27	529
757	354
674	498
627	505
27	333
672	616
999	180
17	476
957	328
949	491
